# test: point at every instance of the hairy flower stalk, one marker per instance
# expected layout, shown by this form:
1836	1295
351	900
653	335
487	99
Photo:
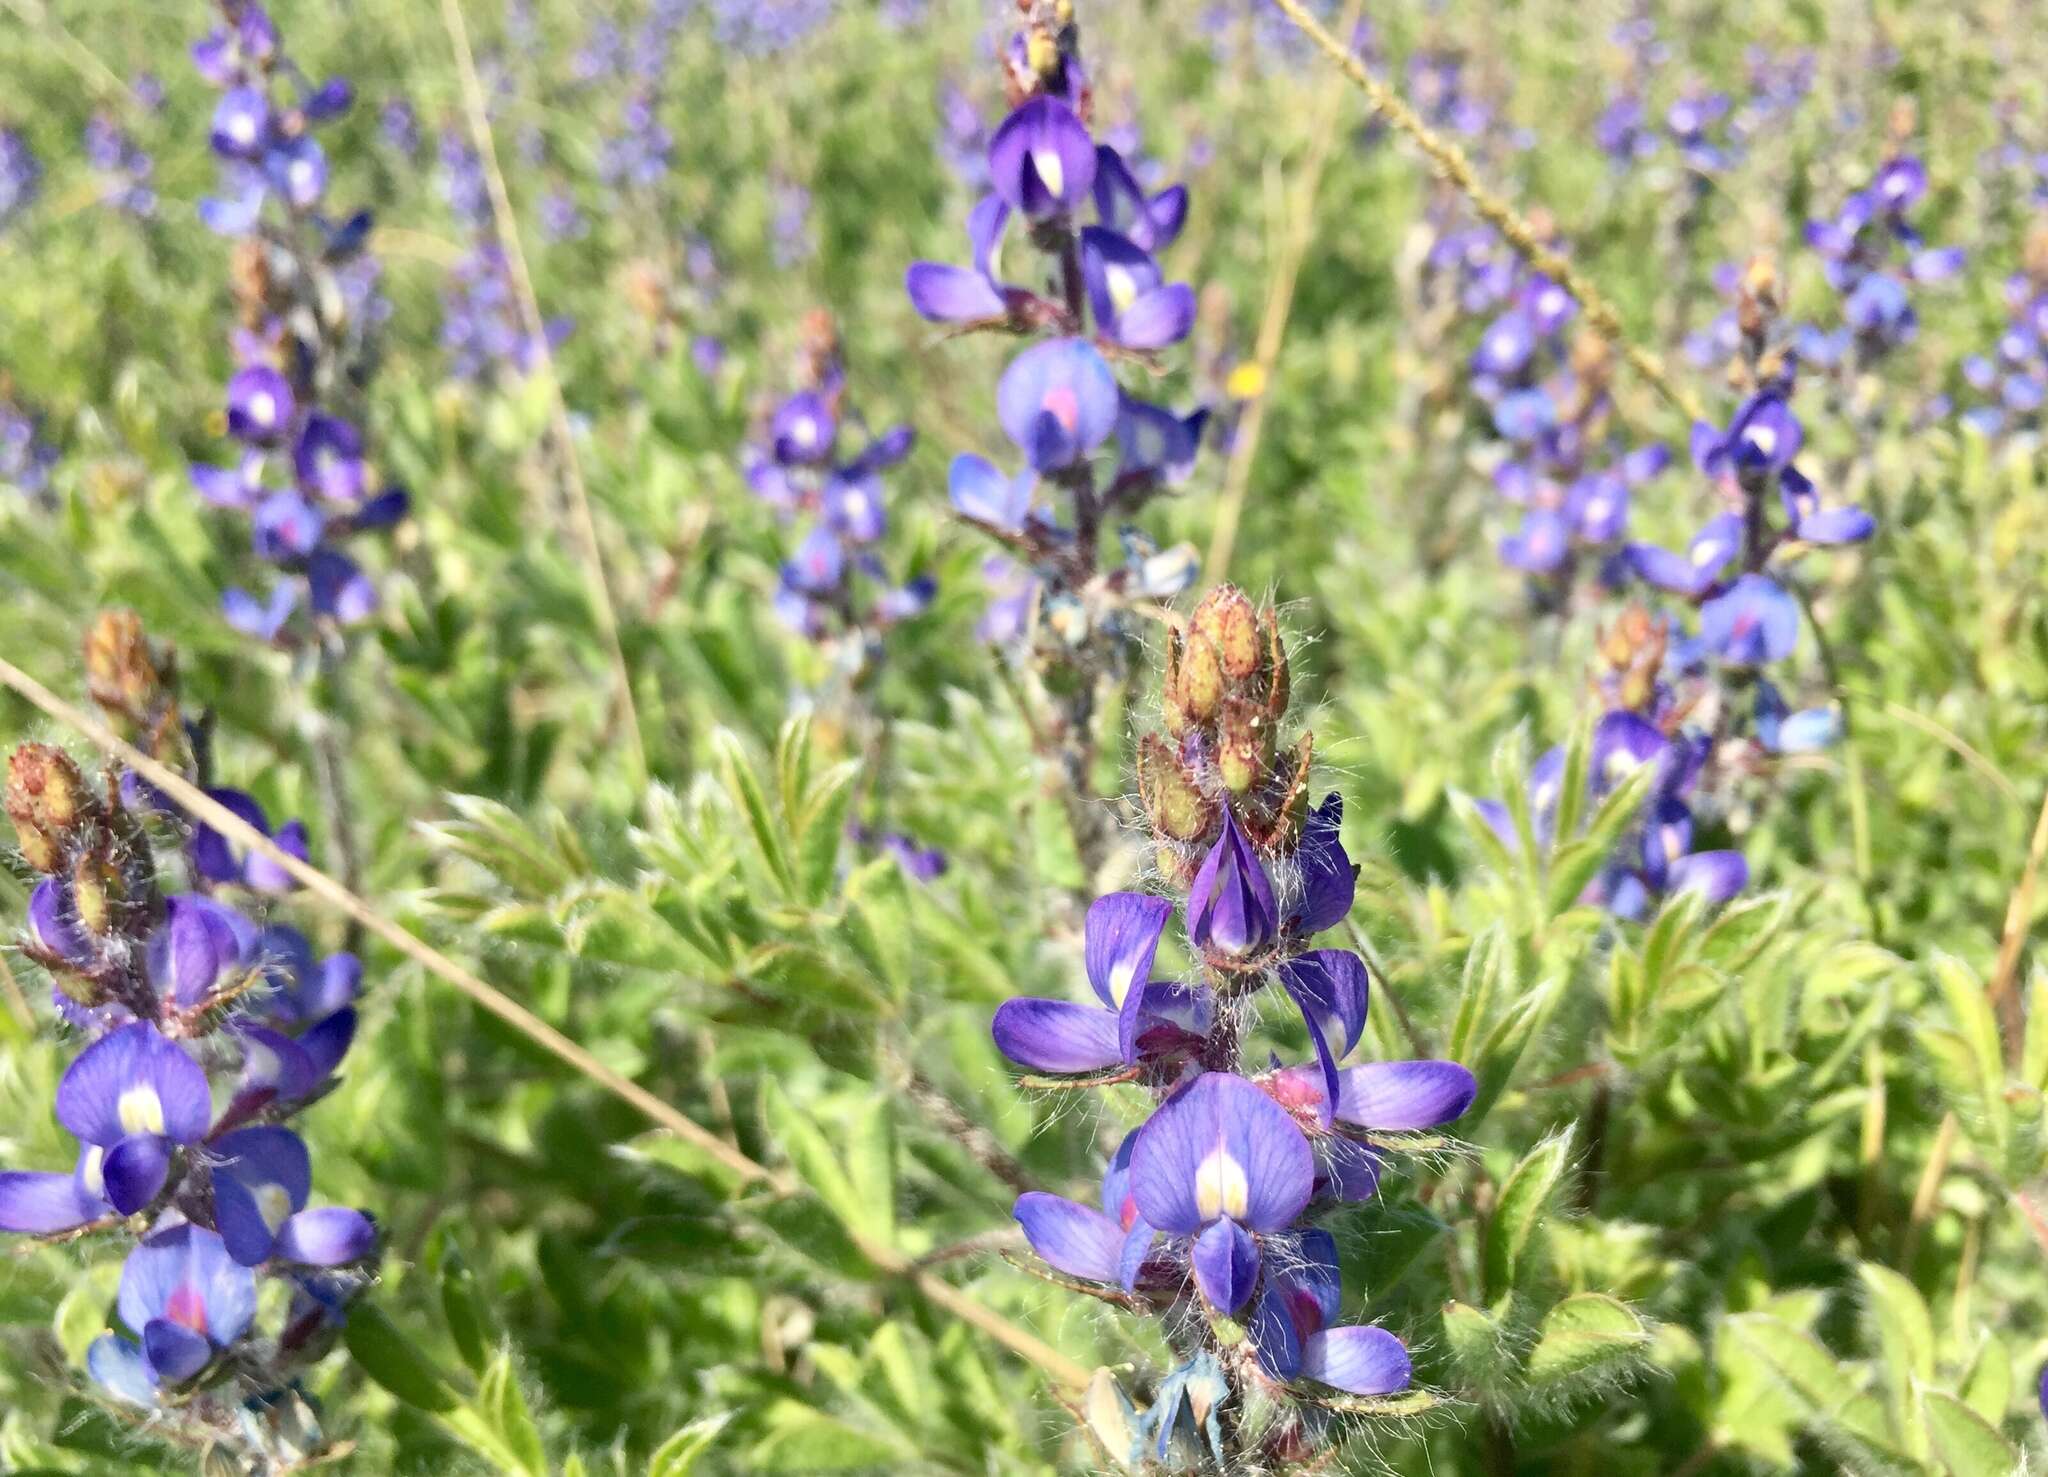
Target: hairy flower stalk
1211	1211
205	1029
1098	299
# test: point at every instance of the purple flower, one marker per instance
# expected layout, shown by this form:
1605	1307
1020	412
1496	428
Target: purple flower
1540	546
980	492
1139	1018
263	620
1813	524
218	860
1041	160
803	430
328	459
40	1203
1149	222
261	1180
200	946
1292	1334
1156	443
187	1299
1223	1163
1108	1246
1753	623
1058	401
136	1095
261	405
943	293
1132	306
1230	905
1694	572
1329	882
1332	989
241	124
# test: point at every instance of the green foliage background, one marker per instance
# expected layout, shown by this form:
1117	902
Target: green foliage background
1749	1290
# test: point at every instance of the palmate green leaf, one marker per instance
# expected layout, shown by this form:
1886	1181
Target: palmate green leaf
1587	1340
1575	779
821	828
1525	1198
855	1181
1905	1339
676	1456
1964	1442
1834	1407
1481	1354
1482	832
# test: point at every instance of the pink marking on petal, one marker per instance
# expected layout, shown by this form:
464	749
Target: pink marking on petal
1064	405
187	1306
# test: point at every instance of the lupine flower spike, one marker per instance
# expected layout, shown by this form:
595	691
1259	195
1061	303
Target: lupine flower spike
203	1033
1203	1206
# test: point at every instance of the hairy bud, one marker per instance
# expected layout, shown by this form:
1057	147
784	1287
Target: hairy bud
47	801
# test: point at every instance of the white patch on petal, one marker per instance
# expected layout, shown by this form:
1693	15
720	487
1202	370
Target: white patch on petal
1051	172
1763	438
1710	552
92	1172
1220	1186
141	1110
263	408
273	1203
1123	287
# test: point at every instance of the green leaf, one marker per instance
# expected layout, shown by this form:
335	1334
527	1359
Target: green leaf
463	1308
1485	960
800	1439
1572	782
1501	1052
677	1455
1987	1389
1588	1338
821	828
1576	862
844	1192
1831	1402
1971	1008
503	1404
2034	1056
1518	1213
745	789
871	1168
394	1361
1964	1442
1479	1348
1905	1339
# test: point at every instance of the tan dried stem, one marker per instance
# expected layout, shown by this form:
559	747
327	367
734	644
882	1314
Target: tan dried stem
559	430
1056	1366
1451	163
